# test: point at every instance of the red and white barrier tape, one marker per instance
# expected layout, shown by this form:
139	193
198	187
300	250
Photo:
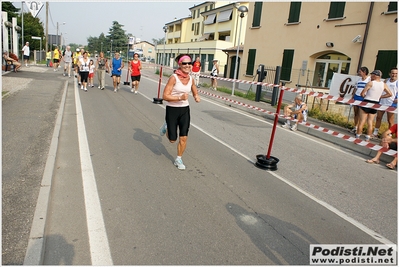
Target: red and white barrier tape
348	138
315	94
304	92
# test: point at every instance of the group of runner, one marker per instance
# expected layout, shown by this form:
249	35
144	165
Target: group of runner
84	69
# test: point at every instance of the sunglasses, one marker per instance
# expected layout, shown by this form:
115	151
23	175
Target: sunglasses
186	63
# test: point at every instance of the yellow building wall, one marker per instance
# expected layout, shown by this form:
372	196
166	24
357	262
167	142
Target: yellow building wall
309	37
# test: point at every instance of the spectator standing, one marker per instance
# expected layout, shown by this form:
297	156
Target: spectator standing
56	58
196	71
363	73
214	73
300	113
390	142
372	94
102	66
116	67
48	58
176	91
84	68
135	72
67	58
26	51
392	101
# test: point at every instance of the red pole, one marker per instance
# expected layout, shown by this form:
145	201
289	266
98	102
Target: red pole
275	124
160	81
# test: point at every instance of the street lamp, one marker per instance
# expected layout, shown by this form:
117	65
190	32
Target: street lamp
111	46
165	29
57	32
101	47
242	10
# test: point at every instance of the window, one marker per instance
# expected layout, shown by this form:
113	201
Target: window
257	14
286	65
251	62
336	10
295	10
196	28
386	60
192	27
225	15
224	36
193	15
393	6
204	37
210	19
210	60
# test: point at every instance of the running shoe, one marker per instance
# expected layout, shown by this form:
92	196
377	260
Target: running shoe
162	130
294	127
285	126
179	164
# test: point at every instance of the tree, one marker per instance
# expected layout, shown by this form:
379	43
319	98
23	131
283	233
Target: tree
11	10
32	27
118	37
158	41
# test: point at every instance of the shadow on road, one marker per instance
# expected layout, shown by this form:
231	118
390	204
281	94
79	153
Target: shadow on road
152	141
282	242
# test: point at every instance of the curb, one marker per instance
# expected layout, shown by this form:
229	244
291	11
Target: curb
36	243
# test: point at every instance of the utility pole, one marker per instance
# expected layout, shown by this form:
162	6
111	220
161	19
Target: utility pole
47	27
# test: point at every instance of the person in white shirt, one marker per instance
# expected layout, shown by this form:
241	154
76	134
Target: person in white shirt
177	116
67	58
26	51
392	101
372	94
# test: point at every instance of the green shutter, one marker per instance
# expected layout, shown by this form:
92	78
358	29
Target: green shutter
295	10
251	61
393	6
386	60
336	10
257	14
210	60
286	65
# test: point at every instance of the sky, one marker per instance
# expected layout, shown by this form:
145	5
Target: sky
91	18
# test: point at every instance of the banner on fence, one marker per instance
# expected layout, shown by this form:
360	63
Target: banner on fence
343	85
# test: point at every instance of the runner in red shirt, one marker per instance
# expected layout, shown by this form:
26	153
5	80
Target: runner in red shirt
196	70
134	68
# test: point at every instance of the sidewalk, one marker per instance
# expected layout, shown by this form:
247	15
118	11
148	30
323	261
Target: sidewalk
336	134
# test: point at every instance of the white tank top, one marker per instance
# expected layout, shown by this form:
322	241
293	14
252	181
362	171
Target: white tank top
179	89
393	87
375	92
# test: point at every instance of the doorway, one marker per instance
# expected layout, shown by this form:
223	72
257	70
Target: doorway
327	65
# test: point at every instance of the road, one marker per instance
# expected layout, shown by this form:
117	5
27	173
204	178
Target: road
113	166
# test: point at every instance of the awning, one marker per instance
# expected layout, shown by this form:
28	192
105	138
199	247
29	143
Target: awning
204	37
224	15
210	19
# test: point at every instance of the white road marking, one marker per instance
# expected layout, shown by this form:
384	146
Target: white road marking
99	247
362	227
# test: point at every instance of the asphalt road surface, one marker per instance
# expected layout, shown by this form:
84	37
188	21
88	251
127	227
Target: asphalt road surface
118	199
